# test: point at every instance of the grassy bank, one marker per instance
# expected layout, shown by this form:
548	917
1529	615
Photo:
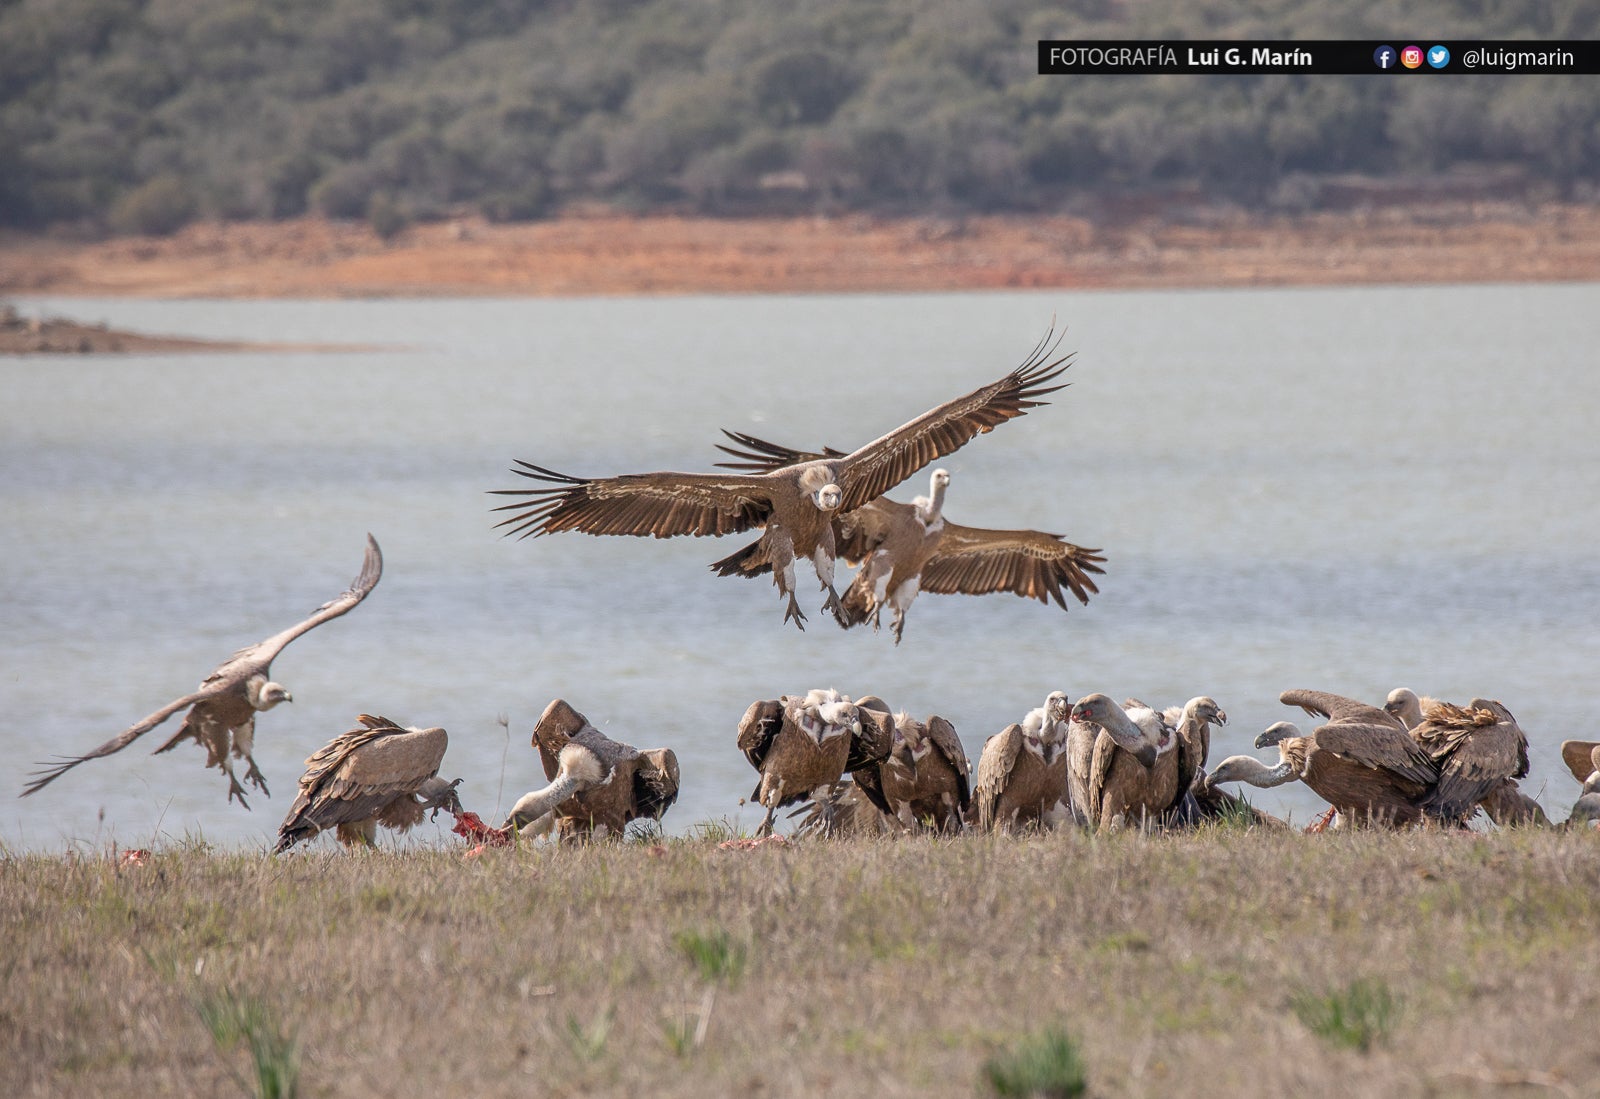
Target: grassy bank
1233	963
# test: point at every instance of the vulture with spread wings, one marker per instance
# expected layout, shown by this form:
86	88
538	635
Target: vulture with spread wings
795	503
902	549
222	710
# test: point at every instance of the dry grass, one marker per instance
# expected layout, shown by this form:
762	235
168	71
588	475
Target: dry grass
903	967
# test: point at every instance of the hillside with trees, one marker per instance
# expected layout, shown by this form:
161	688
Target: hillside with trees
142	115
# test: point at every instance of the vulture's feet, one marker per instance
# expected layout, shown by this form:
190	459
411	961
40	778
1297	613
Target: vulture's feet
899	627
253	774
766	825
793	612
832	605
236	791
877	616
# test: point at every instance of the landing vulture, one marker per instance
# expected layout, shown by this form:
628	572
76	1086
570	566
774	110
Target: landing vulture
222	710
925	779
377	773
795	503
598	785
803	745
1476	749
1133	763
903	549
1362	762
1022	772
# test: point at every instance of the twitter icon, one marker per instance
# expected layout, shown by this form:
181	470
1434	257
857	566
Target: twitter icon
1438	57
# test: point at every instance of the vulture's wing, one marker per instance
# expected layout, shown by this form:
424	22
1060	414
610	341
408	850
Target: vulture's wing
975	561
1339	709
760	456
659	504
994	770
1380	746
258	656
655	782
874	469
758	728
359	773
49	772
1105	750
1582	757
948	744
1491	748
557	725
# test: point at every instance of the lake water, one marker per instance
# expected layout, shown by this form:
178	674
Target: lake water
1347	489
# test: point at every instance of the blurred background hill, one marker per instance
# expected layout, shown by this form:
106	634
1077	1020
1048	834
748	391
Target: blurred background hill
140	116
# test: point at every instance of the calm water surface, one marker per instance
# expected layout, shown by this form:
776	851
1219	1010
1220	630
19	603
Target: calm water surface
1347	489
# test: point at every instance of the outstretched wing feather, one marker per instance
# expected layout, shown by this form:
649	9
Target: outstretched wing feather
1030	563
662	505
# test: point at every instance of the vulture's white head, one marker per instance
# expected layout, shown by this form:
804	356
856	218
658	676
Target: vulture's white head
263	694
1277	732
829	497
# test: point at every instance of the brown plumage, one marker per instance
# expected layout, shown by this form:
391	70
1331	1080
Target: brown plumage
1022	772
800	745
1476	749
1119	787
374	774
1508	806
843	810
926	775
904	549
795	503
1362	761
599	785
222	710
1582	758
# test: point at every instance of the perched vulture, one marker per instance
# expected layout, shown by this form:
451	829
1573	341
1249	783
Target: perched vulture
795	503
902	549
925	777
1133	761
801	745
1476	749
1582	758
1022	772
374	774
222	710
1507	805
1362	762
597	785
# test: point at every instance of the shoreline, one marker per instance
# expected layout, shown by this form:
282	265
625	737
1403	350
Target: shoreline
618	255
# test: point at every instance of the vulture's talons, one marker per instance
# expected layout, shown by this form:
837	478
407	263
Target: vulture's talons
793	613
253	774
236	791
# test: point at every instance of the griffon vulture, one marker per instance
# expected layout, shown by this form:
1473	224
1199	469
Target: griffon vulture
597	785
903	549
1022	771
374	774
796	503
926	775
222	710
1362	762
1582	758
1476	749
800	746
1131	771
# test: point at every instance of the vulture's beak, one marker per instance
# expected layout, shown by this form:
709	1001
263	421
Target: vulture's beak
1222	717
1263	741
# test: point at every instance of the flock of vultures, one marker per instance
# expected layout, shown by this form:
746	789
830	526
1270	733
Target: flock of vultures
1090	763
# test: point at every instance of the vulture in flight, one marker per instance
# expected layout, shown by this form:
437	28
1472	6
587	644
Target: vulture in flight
903	549
803	745
1022	771
222	710
374	774
794	503
1362	761
597	785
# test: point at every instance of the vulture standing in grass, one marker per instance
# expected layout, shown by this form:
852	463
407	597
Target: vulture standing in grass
597	785
1476	749
1362	761
377	773
903	549
925	777
1126	760
222	710
803	746
1582	758
1022	772
795	504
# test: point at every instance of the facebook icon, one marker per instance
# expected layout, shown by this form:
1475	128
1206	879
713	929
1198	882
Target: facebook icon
1383	57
